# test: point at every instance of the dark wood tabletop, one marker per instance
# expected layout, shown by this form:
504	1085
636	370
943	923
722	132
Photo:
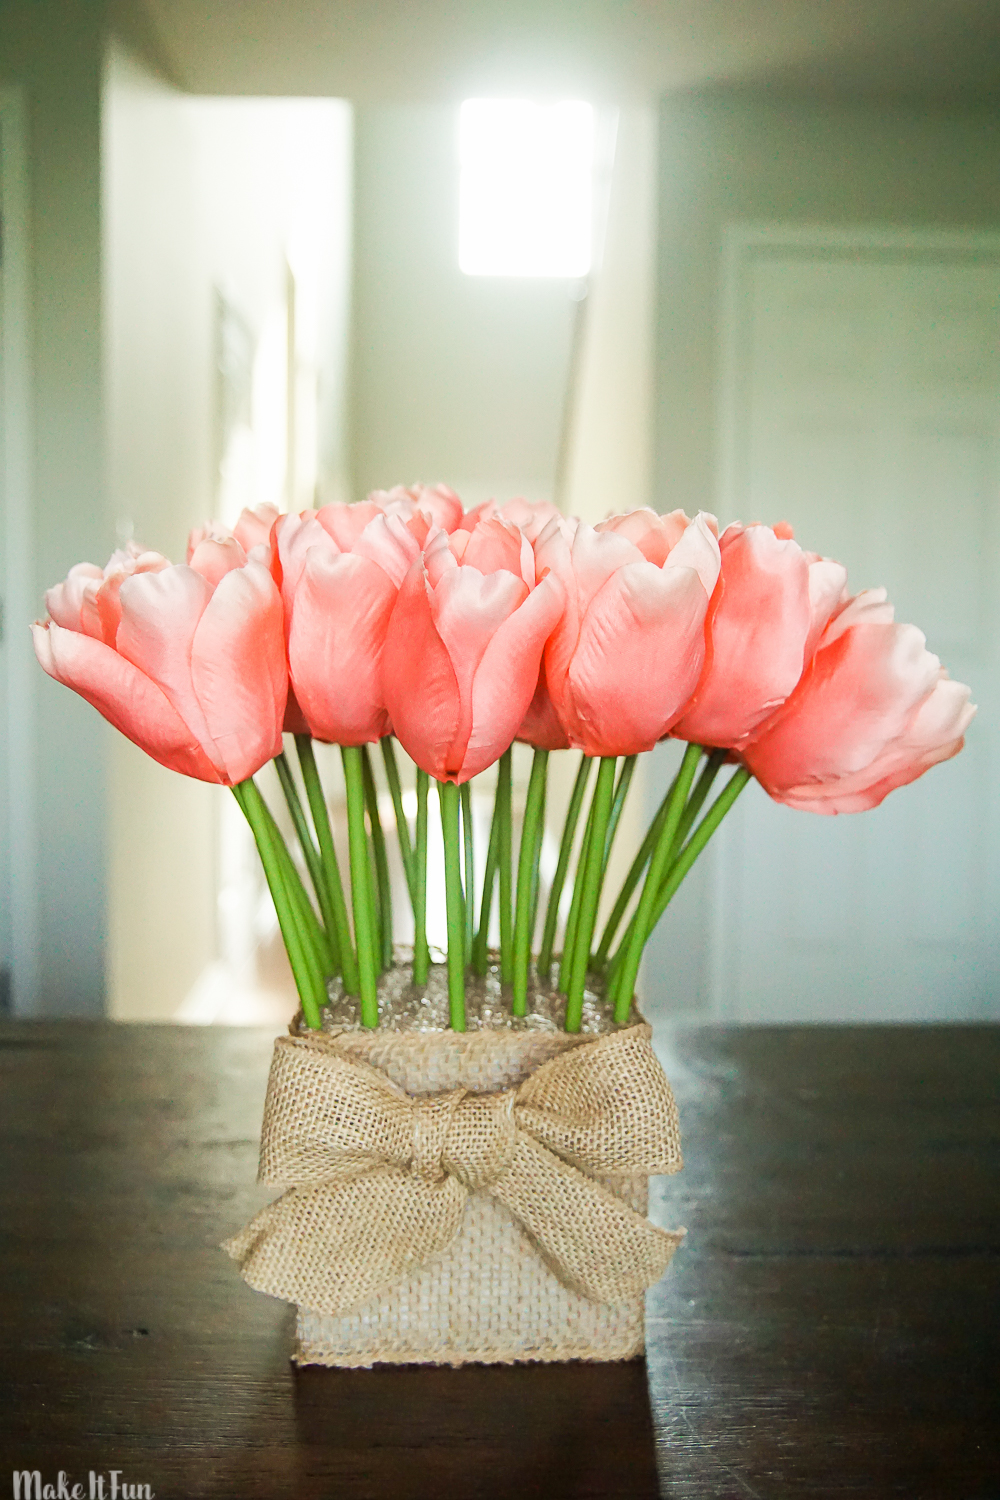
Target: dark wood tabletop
829	1328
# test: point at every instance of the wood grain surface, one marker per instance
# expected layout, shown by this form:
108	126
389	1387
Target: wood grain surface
829	1328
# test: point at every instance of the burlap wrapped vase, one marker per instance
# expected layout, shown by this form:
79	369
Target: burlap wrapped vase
455	1197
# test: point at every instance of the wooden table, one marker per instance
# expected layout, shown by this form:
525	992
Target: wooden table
830	1327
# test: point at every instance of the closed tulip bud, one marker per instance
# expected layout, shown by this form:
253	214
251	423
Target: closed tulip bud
873	711
340	571
463	648
629	649
188	661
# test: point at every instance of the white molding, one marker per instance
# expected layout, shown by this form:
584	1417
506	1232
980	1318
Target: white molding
742	244
18	724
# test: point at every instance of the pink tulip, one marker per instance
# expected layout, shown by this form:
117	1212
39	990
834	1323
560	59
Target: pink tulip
88	600
420	507
251	529
629	649
340	569
873	711
464	646
189	663
772	607
532	518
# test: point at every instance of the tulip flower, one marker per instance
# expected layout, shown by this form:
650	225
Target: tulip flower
873	711
340	569
532	518
251	529
87	601
188	661
463	648
629	649
420	507
773	605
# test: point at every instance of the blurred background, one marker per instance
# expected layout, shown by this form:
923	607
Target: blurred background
743	258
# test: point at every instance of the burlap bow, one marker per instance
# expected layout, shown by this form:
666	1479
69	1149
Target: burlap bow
378	1179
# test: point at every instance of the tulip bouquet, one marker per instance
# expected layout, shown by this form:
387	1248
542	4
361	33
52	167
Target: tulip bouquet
451	1198
458	633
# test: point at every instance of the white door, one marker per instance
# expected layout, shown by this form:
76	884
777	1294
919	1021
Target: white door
862	404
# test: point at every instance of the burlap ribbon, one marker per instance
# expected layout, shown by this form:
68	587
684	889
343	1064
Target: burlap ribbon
378	1180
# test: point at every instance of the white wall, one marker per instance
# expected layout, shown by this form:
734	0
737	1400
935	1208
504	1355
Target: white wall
202	197
52	51
455	378
727	158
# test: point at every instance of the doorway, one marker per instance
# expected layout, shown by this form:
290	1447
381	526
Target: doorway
861	403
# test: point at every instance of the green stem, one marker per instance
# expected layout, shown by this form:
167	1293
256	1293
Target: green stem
621	792
294	804
361	892
527	869
468	867
308	981
562	865
536	877
328	854
573	919
658	864
309	923
480	948
382	877
592	880
396	792
649	843
505	811
421	953
709	771
448	793
681	866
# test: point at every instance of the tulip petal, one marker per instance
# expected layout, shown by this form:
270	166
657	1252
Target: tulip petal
758	634
698	548
253	527
339	622
439	504
638	660
293	537
345	523
507	675
388	543
827	584
65	601
860	694
215	557
540	726
496	544
160	614
238	670
468	610
418	680
124	696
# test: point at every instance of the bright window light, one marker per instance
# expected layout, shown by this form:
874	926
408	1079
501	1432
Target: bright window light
526	188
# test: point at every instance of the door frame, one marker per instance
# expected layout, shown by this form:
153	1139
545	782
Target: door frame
743	244
17	717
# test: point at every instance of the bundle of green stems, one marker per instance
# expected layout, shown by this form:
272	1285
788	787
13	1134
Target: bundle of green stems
326	941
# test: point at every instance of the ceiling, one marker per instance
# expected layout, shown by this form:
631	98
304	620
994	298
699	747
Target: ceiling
930	51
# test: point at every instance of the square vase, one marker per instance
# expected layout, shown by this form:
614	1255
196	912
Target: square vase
489	1297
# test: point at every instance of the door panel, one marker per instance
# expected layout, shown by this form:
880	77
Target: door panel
864	408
